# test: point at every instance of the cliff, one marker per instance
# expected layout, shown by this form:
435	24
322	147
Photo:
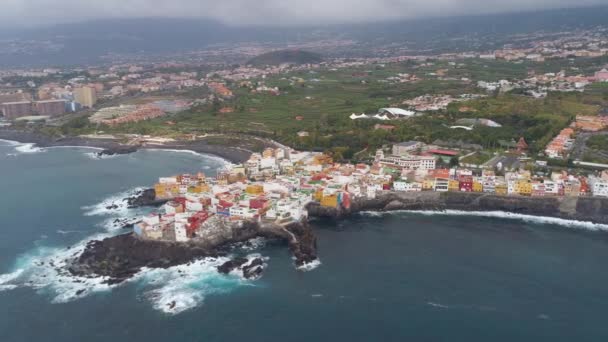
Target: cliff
592	209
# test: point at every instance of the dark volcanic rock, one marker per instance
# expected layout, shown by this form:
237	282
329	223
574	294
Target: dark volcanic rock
122	256
146	198
254	269
304	248
231	265
118	149
251	269
591	209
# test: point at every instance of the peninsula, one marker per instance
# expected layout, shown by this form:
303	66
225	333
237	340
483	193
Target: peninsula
273	195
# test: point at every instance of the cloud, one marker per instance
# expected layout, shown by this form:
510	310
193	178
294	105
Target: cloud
247	12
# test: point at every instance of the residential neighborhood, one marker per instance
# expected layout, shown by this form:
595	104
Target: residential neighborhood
277	185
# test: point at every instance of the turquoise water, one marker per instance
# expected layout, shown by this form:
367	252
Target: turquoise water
394	277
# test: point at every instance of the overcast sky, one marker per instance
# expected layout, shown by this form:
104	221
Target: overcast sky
35	12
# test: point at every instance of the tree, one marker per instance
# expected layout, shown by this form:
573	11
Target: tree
454	162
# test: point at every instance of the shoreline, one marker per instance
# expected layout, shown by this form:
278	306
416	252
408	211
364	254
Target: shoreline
584	210
230	154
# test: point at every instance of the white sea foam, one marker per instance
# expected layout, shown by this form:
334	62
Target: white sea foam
251	244
44	269
184	287
66	232
205	155
117	202
10	142
500	214
96	156
28	148
437	305
172	290
310	266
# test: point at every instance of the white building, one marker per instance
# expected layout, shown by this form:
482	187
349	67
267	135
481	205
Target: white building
599	187
409	162
407	186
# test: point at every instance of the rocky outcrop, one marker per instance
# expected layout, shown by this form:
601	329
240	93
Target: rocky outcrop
304	246
118	149
250	269
591	209
120	257
145	198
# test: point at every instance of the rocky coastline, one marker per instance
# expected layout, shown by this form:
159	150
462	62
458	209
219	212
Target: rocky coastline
588	209
233	154
120	257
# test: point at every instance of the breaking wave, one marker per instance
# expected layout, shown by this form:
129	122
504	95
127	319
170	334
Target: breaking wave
310	266
10	142
96	156
28	148
184	287
207	157
498	214
115	205
172	290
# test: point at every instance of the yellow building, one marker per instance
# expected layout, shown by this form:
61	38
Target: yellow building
477	187
200	188
254	189
330	201
523	187
501	189
318	195
453	185
428	184
86	96
165	191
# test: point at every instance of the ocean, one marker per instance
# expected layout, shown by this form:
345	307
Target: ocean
382	277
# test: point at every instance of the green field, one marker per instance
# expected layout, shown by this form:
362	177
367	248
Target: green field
325	98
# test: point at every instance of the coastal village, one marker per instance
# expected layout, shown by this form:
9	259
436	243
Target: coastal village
277	185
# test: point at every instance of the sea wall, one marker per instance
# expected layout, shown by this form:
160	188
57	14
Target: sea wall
592	209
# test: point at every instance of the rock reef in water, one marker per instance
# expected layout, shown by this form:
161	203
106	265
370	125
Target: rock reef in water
118	149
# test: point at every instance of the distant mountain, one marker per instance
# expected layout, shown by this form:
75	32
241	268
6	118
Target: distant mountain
286	57
84	43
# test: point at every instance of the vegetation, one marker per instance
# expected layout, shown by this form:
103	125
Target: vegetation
320	102
285	57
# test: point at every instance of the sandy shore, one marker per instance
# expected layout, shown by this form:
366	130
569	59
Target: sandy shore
233	154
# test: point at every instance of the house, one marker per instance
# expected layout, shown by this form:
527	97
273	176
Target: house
407	147
599	187
442	184
523	187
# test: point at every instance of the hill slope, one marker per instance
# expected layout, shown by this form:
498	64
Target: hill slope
285	57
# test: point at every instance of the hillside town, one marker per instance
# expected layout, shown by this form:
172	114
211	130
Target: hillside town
277	185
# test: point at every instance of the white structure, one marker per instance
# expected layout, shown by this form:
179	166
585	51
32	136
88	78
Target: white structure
409	162
407	186
406	147
599	187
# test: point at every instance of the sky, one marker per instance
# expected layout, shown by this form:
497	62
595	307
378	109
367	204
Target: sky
261	12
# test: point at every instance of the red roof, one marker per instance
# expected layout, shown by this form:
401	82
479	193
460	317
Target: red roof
444	152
